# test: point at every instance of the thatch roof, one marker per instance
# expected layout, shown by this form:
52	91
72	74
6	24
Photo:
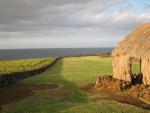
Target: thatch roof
136	44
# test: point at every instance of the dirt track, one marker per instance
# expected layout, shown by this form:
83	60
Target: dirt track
105	94
18	92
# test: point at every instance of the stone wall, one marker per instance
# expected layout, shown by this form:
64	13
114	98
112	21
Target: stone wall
6	79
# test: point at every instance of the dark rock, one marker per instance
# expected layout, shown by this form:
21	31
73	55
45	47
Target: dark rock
137	90
111	83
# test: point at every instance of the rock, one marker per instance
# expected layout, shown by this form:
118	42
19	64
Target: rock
111	83
135	94
136	90
141	91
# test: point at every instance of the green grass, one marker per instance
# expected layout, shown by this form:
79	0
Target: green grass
73	73
13	66
135	67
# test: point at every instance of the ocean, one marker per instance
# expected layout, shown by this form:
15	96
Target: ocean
11	54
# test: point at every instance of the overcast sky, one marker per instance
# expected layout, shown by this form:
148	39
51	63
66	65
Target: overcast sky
69	23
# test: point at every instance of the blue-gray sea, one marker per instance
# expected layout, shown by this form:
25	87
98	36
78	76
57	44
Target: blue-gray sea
37	53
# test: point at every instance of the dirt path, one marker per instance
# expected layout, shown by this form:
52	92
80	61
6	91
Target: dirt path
105	94
18	92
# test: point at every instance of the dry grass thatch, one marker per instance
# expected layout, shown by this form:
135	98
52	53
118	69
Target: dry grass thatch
146	71
136	44
121	67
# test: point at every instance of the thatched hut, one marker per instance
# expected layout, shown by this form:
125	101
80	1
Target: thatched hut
135	45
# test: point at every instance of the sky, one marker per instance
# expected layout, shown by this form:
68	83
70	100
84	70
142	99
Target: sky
69	23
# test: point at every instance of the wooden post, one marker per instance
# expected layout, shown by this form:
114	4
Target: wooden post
131	68
140	67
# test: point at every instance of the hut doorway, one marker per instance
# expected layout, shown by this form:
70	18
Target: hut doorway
136	74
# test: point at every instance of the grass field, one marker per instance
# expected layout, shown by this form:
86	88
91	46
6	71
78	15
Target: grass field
23	65
72	73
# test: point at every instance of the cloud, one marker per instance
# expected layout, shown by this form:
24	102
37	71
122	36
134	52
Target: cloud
147	6
64	19
24	14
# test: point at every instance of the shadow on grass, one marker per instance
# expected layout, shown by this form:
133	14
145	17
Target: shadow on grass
73	96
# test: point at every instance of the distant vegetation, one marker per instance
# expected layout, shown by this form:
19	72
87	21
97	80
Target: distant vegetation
13	66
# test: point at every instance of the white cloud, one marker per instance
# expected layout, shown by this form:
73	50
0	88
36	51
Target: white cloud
56	21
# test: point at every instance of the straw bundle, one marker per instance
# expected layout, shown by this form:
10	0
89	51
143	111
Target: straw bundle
135	45
146	71
121	67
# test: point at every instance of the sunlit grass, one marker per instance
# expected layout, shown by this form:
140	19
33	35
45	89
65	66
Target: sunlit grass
135	67
73	73
23	65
